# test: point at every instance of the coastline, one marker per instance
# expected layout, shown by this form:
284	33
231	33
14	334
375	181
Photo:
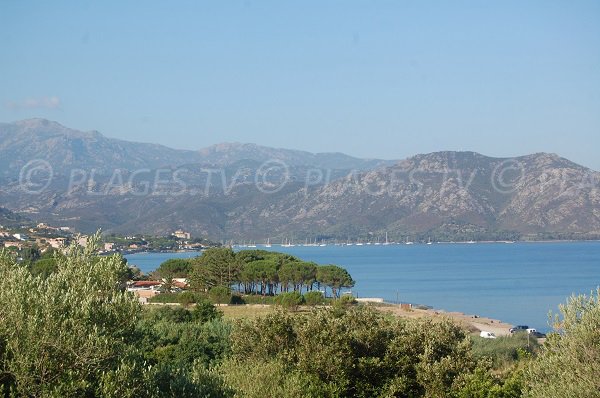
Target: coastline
279	245
473	323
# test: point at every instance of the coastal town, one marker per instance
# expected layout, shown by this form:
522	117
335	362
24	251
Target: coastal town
45	237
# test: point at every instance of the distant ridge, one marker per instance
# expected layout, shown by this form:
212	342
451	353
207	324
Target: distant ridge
228	153
66	149
443	195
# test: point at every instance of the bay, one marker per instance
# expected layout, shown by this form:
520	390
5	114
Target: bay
517	283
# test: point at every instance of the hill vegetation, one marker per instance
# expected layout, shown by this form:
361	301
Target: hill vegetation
76	332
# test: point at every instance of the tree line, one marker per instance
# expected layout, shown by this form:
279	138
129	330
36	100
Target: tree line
255	272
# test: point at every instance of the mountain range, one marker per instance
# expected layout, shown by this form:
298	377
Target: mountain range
245	191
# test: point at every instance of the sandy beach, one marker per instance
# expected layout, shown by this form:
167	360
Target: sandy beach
473	323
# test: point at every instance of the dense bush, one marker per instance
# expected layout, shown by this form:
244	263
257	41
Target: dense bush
205	311
62	331
165	298
180	338
220	295
314	298
271	378
569	363
290	300
346	299
187	298
43	267
357	352
76	332
237	299
485	384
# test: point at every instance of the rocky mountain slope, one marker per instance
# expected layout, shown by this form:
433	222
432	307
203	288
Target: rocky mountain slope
244	191
447	194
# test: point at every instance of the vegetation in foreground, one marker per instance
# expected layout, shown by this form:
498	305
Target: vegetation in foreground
77	333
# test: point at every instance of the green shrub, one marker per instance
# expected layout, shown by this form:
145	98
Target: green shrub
482	383
344	301
567	365
220	295
237	299
357	352
290	300
165	298
205	311
43	267
271	378
187	298
167	313
60	333
314	298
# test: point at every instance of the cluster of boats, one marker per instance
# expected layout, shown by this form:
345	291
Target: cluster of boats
310	243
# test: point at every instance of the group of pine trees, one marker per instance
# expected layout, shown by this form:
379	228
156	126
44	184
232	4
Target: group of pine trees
256	272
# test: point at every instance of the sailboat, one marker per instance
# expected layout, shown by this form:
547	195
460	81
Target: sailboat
268	244
429	241
408	242
386	240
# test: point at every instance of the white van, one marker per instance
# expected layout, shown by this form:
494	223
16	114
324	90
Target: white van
487	335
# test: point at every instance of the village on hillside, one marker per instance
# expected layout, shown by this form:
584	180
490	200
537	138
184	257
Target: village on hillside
44	237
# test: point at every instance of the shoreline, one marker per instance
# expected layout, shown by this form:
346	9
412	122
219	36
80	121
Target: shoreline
279	245
473	323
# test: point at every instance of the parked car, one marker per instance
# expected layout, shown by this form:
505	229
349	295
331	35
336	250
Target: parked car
519	328
487	335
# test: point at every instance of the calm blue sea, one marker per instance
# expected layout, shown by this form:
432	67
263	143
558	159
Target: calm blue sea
516	283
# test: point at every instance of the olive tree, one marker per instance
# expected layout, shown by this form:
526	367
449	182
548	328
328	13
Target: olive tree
62	331
76	333
569	363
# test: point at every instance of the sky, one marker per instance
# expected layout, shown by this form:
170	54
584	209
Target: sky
375	79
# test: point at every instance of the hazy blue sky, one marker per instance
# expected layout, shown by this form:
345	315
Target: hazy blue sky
382	79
